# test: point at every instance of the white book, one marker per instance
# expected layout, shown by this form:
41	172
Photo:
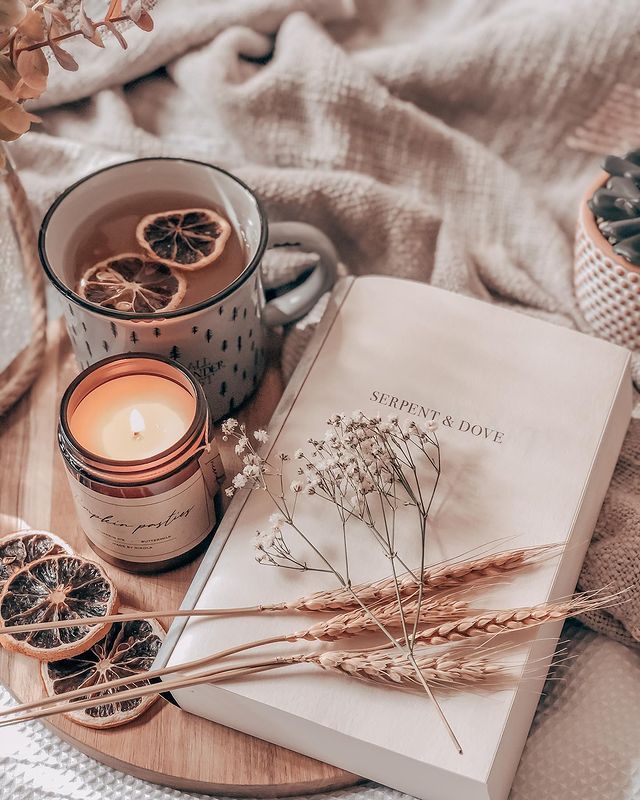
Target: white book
532	417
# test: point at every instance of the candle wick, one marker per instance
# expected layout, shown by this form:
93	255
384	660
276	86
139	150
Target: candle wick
136	421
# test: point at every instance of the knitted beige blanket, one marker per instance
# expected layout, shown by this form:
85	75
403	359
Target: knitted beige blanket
441	141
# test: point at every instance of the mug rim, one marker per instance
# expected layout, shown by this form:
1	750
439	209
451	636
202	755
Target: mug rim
246	273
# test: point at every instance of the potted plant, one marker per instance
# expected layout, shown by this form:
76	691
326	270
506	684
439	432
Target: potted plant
607	252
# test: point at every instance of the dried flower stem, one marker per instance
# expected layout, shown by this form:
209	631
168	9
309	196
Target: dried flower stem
68	35
359	455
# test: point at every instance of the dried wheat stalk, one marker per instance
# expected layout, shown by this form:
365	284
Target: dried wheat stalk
443	671
447	575
343	625
491	622
454	575
495	622
353	623
457	623
375	665
446	670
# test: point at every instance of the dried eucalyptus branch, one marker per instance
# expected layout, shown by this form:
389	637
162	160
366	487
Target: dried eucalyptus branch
27	29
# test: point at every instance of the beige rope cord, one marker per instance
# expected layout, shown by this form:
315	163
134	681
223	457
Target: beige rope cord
21	373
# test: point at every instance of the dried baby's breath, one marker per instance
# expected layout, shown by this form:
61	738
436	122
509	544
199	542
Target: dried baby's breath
368	470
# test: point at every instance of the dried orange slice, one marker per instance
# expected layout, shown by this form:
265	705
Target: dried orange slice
188	238
133	282
128	650
23	547
56	588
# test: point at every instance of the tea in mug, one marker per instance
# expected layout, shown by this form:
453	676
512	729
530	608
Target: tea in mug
156	252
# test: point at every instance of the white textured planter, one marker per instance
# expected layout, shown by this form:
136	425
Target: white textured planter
607	286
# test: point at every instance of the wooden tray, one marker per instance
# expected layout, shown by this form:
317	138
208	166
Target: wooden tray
167	745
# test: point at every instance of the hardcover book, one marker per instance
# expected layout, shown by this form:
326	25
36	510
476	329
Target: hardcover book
531	419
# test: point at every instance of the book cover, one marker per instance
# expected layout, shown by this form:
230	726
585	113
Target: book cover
531	419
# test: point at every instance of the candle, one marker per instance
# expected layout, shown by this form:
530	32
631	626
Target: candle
133	417
135	436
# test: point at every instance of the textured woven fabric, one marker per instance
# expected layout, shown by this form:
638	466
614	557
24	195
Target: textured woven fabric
613	560
429	141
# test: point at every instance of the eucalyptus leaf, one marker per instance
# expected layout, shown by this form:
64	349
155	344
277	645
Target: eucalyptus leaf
144	21
34	69
7	135
114	10
133	9
85	23
9	78
14	118
56	21
12	12
66	60
32	28
97	39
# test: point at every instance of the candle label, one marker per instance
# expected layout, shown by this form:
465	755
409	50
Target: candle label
147	529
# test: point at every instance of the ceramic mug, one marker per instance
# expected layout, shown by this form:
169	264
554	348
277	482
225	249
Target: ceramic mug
221	339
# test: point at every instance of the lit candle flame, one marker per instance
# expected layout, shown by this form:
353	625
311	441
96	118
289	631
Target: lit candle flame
136	421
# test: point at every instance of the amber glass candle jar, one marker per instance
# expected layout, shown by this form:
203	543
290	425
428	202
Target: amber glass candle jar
135	436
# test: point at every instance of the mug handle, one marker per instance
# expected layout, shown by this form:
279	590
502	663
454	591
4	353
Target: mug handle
299	301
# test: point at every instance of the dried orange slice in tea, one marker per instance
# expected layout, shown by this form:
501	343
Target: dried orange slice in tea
133	282
188	238
56	588
23	547
128	650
